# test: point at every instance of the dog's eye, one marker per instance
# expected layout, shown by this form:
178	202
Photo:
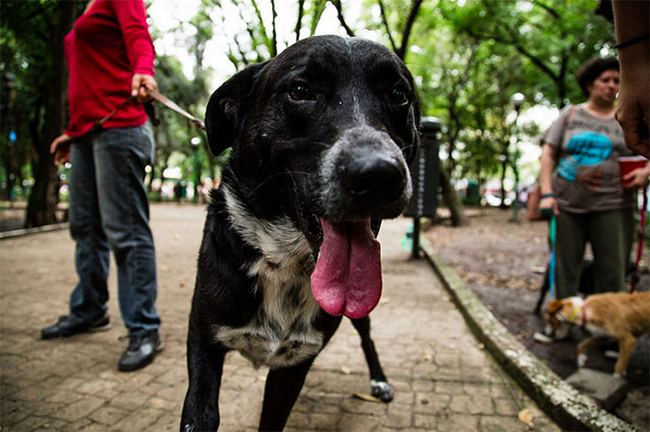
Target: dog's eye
399	97
301	92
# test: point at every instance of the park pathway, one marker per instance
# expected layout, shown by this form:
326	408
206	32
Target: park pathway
443	378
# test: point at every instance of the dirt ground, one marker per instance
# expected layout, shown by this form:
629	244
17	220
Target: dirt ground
503	263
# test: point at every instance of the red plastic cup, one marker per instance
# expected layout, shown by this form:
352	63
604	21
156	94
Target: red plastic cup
630	163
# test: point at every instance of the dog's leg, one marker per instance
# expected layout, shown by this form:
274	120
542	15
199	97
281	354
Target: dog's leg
379	386
543	289
626	348
205	366
282	388
582	350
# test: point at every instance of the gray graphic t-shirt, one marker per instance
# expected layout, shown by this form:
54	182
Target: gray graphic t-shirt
588	177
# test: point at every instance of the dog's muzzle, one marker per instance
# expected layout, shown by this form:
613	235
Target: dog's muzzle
364	175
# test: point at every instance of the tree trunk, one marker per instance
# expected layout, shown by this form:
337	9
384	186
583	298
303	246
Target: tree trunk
504	167
42	201
452	201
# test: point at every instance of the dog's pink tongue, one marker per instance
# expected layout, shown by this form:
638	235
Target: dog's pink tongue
347	278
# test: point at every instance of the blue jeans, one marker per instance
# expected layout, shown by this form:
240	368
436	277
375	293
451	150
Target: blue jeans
109	211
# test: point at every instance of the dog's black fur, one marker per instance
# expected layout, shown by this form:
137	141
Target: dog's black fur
320	136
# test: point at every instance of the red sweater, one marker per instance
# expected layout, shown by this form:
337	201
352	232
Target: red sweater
106	47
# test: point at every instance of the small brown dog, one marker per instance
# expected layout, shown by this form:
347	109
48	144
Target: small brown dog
622	316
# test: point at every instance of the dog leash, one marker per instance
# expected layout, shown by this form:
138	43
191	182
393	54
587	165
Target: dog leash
99	123
157	96
639	249
552	230
551	264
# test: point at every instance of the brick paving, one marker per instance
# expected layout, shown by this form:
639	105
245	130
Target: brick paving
444	379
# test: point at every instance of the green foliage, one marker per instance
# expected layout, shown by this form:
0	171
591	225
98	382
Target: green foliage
473	55
467	56
553	37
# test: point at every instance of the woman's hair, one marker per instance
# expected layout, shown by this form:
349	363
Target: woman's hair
592	69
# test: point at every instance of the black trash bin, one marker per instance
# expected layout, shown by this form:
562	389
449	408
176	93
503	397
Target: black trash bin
425	177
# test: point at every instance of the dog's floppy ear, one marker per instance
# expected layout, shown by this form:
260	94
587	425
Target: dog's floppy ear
223	115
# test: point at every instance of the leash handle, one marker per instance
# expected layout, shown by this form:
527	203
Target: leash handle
639	249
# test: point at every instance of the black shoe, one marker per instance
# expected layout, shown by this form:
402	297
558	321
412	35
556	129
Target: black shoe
143	346
69	325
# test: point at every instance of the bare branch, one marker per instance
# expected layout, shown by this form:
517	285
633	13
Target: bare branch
515	43
384	21
318	8
415	8
548	9
339	12
301	13
274	37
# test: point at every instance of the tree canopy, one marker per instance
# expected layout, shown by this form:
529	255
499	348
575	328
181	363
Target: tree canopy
468	58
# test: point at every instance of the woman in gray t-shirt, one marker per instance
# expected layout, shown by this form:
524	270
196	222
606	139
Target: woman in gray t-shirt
586	192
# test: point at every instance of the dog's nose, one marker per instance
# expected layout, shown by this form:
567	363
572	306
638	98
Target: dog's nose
373	177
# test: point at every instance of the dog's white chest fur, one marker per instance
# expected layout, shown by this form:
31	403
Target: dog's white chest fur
282	331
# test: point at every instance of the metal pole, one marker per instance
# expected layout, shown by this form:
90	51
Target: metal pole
420	202
517	100
197	175
416	238
515	168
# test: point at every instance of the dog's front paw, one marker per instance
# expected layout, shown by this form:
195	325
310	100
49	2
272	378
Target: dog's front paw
382	390
582	360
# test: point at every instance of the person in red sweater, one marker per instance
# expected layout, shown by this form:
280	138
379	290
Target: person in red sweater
110	58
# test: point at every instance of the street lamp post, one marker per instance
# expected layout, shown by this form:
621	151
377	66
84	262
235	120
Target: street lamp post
197	175
517	101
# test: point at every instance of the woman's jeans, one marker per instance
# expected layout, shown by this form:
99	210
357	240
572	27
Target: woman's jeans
109	211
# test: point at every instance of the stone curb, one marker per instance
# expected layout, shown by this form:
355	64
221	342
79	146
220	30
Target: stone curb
27	231
570	409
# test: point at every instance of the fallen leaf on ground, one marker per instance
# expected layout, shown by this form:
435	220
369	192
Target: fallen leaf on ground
366	397
526	416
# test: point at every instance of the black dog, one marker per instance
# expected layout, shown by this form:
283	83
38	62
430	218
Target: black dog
321	136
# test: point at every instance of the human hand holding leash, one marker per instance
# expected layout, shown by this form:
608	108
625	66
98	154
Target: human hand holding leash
142	85
548	204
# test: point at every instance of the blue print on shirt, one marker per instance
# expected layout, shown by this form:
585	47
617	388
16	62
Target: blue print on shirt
584	148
